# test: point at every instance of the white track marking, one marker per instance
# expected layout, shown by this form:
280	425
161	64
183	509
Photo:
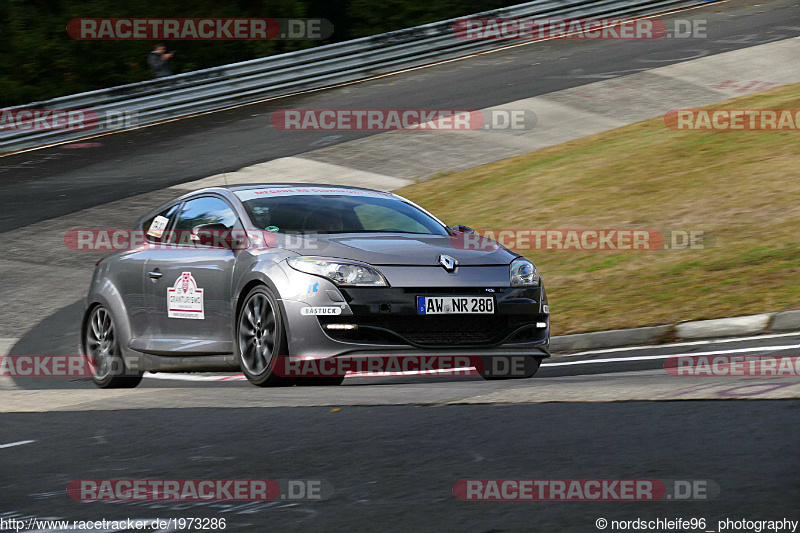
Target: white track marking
665	356
679	344
20	443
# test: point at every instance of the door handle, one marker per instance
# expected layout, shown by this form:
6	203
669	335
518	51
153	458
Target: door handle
155	274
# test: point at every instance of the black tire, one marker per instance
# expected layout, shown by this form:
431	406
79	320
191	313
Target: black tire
327	381
260	338
99	341
510	367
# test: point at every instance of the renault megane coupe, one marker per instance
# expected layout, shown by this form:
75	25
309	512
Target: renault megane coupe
238	277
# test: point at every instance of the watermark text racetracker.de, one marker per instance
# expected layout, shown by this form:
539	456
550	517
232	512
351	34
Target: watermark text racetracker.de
585	239
71	366
293	366
584	489
403	119
733	119
113	240
762	366
518	239
34	119
199	29
532	29
191	490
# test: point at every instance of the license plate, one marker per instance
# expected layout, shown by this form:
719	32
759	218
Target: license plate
463	305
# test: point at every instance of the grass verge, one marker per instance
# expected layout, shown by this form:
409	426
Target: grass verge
741	188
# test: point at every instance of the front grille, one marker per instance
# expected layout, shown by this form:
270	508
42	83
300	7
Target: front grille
424	330
421	291
455	330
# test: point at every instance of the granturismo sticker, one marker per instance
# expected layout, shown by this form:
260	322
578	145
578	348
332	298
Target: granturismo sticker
185	299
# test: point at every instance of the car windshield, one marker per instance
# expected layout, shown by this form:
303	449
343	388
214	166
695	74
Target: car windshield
314	210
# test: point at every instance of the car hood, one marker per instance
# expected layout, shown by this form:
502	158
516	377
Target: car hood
394	249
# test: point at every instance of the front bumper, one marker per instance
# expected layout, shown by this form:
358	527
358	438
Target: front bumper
389	317
385	320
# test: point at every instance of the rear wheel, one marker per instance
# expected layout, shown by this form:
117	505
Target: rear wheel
510	367
100	342
261	338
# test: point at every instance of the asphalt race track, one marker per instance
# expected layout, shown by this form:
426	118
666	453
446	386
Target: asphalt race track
393	468
391	448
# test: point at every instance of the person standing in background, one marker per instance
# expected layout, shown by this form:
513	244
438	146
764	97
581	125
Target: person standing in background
160	62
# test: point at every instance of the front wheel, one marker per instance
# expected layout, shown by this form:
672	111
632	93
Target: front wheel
510	367
261	338
100	342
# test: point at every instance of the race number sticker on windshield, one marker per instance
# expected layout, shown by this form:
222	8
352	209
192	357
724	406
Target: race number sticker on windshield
158	226
466	305
185	299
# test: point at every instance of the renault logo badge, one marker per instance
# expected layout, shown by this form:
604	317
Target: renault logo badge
448	262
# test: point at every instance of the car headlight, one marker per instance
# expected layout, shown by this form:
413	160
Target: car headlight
523	273
339	271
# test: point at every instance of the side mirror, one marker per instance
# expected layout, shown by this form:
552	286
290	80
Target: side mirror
458	228
214	235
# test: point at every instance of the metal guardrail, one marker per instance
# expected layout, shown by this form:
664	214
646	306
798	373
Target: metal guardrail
323	66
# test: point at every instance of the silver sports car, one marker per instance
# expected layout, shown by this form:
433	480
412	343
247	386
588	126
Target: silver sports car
239	277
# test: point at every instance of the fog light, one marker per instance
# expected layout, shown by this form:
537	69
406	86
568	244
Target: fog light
341	326
541	324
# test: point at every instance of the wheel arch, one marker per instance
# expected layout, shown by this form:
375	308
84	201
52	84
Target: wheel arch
247	286
109	297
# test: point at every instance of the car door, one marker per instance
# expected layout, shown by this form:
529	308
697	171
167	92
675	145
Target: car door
189	284
133	266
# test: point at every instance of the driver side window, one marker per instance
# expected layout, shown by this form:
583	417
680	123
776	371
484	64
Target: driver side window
203	210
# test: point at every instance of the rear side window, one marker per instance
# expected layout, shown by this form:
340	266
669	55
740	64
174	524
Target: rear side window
155	227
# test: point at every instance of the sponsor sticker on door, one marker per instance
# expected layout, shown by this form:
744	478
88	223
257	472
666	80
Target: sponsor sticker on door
185	299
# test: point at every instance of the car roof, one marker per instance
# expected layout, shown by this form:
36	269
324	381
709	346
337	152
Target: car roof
229	190
244	187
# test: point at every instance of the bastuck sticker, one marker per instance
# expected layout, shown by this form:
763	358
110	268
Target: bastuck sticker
321	311
184	299
158	226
